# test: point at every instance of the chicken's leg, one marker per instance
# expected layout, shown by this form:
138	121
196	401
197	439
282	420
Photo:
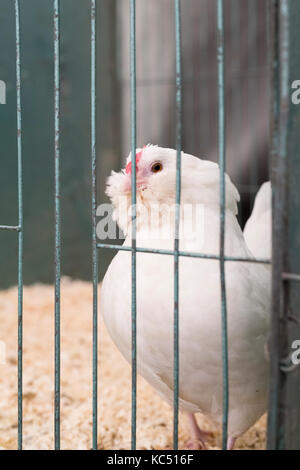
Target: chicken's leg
197	435
230	443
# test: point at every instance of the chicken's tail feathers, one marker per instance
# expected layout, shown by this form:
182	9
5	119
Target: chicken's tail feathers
263	200
257	231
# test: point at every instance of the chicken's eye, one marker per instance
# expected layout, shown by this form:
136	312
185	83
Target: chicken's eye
156	167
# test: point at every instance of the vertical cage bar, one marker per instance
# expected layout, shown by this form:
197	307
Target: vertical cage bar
20	234
252	86
177	218
276	307
57	215
279	333
94	223
133	216
235	97
222	164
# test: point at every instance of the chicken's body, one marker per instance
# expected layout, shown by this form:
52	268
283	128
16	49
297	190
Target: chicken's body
200	335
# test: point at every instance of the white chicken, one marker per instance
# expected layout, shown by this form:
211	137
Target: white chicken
200	345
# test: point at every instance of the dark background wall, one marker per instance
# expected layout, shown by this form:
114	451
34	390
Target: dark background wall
247	83
38	135
247	107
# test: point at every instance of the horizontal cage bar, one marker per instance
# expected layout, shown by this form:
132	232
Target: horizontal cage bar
184	253
12	228
291	277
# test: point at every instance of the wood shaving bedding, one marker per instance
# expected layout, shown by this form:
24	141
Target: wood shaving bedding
154	417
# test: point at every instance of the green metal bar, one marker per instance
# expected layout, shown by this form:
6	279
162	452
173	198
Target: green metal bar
236	9
57	215
291	277
20	228
222	164
10	228
94	224
133	218
184	253
177	220
252	108
276	302
279	328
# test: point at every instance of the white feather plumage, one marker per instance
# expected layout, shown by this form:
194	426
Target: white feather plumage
247	287
257	231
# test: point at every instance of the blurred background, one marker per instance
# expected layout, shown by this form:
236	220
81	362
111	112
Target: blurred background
247	96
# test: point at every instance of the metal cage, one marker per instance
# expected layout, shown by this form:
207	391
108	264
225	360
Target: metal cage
283	429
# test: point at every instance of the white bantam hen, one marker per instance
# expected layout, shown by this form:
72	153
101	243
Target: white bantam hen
200	345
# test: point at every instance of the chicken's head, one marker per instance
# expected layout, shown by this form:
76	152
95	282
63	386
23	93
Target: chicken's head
156	181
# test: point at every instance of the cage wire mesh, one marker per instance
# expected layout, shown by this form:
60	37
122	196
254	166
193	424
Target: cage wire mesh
173	84
151	75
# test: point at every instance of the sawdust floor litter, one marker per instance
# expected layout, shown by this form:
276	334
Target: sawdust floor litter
154	417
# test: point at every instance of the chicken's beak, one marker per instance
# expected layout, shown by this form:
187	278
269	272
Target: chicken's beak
141	184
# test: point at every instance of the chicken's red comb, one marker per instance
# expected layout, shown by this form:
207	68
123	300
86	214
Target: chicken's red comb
128	168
